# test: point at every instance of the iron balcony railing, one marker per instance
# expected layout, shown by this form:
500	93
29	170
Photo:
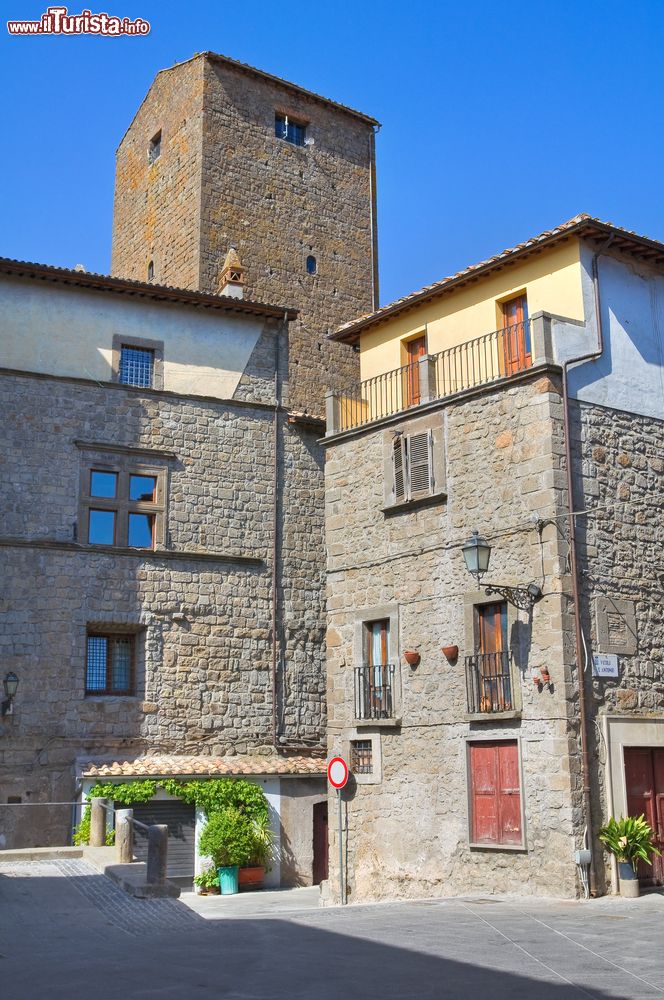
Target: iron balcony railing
374	691
489	683
474	363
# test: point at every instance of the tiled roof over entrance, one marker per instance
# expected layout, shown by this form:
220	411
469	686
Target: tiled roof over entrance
167	766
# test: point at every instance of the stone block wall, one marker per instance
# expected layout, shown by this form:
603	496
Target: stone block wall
157	205
201	610
619	483
225	179
408	831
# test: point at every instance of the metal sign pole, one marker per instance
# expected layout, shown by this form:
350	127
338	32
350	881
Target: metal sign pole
341	851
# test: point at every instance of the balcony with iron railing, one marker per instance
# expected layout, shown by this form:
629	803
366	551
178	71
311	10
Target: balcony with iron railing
375	694
490	684
484	360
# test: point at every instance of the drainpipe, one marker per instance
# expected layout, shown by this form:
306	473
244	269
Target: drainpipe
581	658
373	210
275	523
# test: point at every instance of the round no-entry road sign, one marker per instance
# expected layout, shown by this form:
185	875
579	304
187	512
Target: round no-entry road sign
337	772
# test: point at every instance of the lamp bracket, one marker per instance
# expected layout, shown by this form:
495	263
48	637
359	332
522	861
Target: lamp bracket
519	597
7	707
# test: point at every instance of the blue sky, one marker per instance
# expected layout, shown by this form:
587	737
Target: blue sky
499	120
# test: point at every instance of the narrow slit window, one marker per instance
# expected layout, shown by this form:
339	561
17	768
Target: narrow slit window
154	147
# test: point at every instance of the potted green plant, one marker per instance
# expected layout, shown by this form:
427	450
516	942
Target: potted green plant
208	882
252	875
227	839
630	840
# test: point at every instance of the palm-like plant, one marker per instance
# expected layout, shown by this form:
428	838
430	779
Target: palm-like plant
630	839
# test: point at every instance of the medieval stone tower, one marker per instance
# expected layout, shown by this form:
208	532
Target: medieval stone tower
222	155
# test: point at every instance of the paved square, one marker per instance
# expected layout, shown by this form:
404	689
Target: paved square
66	931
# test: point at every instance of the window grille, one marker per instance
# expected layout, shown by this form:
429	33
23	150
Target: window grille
109	664
361	760
136	366
293	132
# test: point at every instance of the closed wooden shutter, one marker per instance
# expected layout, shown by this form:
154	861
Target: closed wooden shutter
419	464
495	796
399	470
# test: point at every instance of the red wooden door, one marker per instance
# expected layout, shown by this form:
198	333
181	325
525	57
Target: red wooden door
415	349
516	350
495	793
320	843
644	781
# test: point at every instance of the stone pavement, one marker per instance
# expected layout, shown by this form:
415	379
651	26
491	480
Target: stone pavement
66	931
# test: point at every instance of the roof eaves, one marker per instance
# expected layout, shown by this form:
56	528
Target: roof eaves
580	225
246	68
127	286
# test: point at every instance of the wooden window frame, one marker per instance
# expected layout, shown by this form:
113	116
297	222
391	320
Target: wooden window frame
108	691
491	846
121	505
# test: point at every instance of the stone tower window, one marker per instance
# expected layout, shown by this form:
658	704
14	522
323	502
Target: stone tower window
151	271
311	265
292	131
154	148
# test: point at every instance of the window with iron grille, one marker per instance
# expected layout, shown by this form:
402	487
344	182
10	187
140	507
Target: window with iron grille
136	366
109	668
361	760
291	131
123	503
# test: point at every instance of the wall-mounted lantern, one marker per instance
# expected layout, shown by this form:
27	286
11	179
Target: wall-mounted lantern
476	554
10	684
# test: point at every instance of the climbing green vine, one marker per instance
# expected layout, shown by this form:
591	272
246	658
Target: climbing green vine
209	794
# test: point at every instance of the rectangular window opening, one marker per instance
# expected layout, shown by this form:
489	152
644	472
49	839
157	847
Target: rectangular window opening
361	759
289	130
109	664
154	147
136	366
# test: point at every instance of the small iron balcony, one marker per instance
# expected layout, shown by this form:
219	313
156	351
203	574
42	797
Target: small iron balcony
489	683
374	692
491	358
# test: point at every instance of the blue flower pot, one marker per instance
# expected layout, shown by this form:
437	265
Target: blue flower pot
228	880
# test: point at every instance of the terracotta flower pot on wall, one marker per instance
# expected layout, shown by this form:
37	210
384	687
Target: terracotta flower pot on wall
412	657
451	652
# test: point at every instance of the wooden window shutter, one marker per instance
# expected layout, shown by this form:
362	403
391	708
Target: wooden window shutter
420	464
399	458
483	794
509	793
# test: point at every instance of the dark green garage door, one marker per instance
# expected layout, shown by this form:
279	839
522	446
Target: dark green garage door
180	820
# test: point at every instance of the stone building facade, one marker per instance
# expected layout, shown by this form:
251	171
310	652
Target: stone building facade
460	713
286	177
209	643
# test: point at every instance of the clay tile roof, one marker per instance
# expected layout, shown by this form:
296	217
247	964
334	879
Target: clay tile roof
162	766
580	225
139	289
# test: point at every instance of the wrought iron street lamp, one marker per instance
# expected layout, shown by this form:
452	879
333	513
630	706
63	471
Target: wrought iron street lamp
476	554
10	684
